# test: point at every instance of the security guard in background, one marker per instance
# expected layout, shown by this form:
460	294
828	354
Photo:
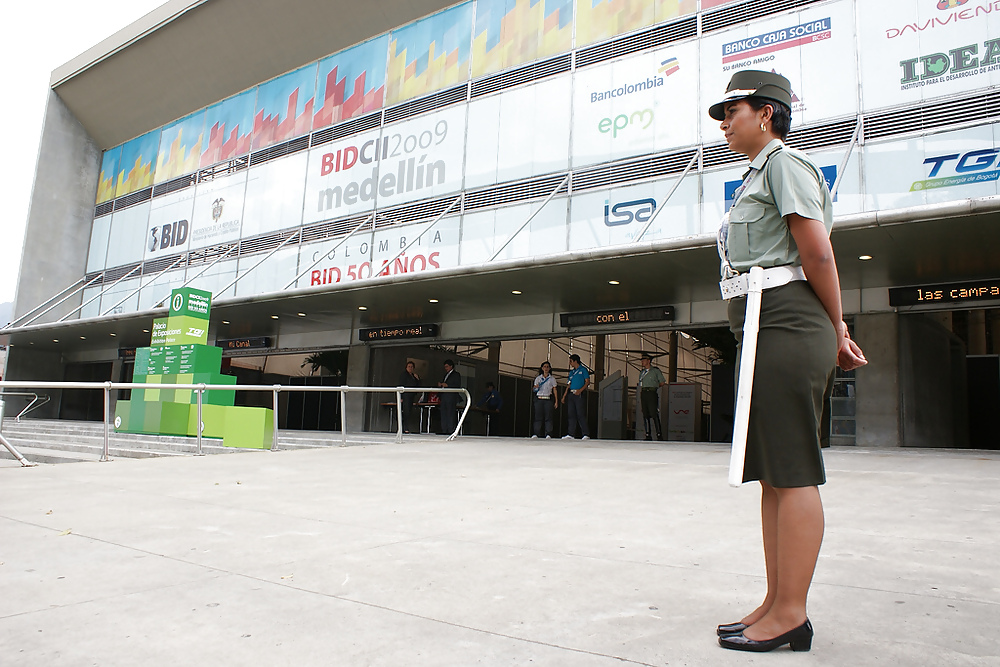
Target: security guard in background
650	381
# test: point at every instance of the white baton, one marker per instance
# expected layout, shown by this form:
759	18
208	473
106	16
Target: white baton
748	357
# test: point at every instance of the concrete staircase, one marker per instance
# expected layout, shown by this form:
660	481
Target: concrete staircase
60	441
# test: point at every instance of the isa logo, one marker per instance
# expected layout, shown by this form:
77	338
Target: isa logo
829	175
623	213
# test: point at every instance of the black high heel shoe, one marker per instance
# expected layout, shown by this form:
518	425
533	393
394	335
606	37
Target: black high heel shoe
730	629
799	639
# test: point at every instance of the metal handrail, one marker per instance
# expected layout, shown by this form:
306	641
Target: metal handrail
201	388
428	228
100	294
532	216
295	236
847	156
670	194
35	398
53	298
142	287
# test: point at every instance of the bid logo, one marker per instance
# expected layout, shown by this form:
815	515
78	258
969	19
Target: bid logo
623	213
168	236
972	167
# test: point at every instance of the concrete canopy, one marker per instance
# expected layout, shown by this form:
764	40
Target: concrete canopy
188	54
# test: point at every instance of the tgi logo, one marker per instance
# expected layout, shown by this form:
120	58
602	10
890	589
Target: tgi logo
168	236
625	212
980	166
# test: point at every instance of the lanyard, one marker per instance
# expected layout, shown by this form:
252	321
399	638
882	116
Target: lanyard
722	240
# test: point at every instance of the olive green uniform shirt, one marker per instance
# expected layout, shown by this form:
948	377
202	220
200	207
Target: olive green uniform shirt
788	182
651	379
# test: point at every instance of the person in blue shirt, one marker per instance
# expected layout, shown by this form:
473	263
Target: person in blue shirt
576	404
491	400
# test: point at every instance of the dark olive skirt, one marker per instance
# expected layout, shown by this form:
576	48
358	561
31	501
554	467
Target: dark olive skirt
793	381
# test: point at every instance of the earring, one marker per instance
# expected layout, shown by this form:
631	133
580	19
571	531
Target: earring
762	128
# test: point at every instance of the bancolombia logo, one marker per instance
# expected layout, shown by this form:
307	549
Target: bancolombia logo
168	236
410	173
971	167
956	64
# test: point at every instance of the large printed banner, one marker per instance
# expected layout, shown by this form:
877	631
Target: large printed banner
937	168
618	216
229	125
814	48
109	170
484	233
365	255
511	32
284	107
601	19
415	159
135	171
274	195
636	106
351	82
181	145
509	139
218	211
912	50
429	54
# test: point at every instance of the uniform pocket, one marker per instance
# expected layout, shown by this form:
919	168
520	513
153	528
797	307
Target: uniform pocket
740	219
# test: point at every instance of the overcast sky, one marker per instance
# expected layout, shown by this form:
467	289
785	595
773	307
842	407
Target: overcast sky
38	37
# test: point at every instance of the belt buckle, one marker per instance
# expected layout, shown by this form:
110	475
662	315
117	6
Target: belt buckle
733	287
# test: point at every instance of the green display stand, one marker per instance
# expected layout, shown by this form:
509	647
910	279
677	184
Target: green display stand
178	355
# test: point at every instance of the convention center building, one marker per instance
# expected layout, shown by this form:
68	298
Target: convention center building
504	182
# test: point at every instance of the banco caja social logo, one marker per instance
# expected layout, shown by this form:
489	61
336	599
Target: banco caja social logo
168	236
979	166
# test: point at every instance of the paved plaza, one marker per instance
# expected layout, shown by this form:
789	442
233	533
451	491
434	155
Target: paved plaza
484	552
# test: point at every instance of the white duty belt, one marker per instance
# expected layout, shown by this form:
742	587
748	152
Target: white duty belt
776	276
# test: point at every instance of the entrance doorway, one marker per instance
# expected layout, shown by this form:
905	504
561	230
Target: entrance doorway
949	378
700	358
302	411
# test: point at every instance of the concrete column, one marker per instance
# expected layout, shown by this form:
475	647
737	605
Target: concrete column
672	373
61	212
600	360
358	364
977	332
877	384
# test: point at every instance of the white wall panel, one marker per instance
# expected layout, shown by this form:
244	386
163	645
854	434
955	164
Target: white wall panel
127	242
99	233
274	197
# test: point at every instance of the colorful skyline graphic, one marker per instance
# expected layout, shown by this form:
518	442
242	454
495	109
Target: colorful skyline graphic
430	54
106	181
135	171
511	32
601	19
229	124
284	107
180	147
351	82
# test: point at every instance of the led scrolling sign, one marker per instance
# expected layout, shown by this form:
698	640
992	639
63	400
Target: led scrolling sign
616	316
920	295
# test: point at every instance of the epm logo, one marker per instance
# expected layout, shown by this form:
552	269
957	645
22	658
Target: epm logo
961	169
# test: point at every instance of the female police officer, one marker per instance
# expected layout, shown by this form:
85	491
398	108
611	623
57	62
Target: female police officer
781	220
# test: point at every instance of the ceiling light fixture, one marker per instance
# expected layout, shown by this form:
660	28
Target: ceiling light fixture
432	300
362	307
274	317
302	314
225	321
614	282
864	258
114	334
517	291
